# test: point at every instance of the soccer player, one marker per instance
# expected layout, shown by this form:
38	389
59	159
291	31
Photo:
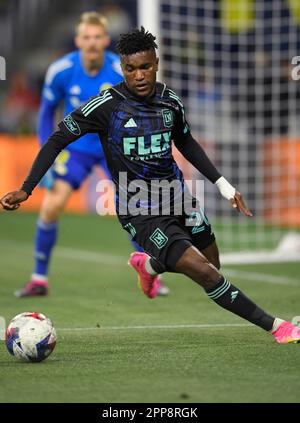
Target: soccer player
74	78
137	120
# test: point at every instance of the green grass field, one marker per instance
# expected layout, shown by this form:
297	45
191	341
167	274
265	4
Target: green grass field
116	345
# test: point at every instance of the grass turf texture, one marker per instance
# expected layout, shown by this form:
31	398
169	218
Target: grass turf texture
98	291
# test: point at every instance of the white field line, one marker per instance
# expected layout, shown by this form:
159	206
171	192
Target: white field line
147	327
261	277
91	256
73	253
108	259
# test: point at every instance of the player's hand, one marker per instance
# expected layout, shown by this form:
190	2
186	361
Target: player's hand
12	200
238	203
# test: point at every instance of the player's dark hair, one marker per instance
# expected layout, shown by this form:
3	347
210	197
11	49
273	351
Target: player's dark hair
135	41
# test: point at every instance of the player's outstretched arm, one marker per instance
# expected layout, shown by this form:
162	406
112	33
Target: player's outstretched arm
70	129
12	200
195	154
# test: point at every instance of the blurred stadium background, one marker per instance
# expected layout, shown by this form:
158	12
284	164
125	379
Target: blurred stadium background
231	62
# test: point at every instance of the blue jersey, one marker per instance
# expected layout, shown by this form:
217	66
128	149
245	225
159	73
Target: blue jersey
68	81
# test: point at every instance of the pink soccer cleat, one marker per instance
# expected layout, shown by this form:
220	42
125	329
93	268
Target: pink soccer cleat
32	289
148	283
287	333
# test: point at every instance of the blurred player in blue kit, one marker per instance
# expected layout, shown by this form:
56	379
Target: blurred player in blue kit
73	79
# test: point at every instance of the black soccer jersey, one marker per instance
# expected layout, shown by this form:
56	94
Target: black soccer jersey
136	135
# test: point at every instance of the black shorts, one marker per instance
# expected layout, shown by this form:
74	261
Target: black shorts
157	234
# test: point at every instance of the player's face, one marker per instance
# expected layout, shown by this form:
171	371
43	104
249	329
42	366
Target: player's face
139	71
91	40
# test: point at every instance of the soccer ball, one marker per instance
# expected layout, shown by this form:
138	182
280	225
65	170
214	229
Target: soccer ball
30	336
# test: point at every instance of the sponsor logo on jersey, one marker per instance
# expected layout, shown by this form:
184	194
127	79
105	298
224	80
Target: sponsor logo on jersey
71	125
159	143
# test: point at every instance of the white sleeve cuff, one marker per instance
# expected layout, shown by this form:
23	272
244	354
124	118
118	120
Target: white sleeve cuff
225	188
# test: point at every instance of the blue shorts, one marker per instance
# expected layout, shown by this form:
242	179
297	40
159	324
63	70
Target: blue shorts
73	167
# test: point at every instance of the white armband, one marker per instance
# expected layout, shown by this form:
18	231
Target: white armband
225	188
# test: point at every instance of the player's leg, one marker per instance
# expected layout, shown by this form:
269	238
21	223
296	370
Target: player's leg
193	226
201	233
174	251
162	289
45	237
203	239
69	171
193	264
206	257
154	234
55	201
53	205
212	254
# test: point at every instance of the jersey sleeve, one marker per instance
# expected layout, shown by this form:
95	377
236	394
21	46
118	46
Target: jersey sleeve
181	129
188	146
93	116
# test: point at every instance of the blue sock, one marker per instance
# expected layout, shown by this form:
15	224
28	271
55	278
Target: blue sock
45	239
136	246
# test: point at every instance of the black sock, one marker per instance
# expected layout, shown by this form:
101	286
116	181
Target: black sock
232	299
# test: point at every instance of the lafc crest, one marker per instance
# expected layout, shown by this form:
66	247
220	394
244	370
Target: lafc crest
167	117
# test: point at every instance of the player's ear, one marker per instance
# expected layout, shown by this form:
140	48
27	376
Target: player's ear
156	65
